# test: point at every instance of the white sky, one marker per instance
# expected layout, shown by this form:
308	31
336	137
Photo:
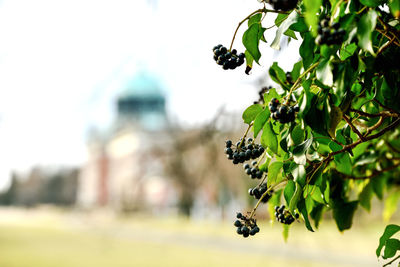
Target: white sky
62	63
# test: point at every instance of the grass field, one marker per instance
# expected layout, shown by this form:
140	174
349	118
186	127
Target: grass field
53	238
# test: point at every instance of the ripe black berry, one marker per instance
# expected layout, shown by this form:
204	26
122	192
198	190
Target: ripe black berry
283	215
282	113
227	59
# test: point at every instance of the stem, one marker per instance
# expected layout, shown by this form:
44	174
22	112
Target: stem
263	195
367	138
353	128
244	136
296	84
261	10
390	262
369	115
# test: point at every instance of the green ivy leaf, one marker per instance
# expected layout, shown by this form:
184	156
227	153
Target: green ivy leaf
273	171
285	232
343	213
365	197
289	190
301	205
296	70
268	138
260	120
390	230
378	185
372	3
295	198
307	50
311	16
278	75
254	19
297	135
299	151
283	27
366	25
391	247
324	73
299	175
347	51
271	94
251	38
394	6
391	205
251	113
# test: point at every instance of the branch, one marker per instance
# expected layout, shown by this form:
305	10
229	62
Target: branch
380	114
353	128
390	262
367	138
261	10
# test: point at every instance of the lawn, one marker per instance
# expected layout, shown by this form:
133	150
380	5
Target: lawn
53	238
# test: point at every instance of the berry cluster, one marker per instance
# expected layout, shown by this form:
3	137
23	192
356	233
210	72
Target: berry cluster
257	192
283	215
246	226
227	59
329	34
282	113
241	152
253	172
284	5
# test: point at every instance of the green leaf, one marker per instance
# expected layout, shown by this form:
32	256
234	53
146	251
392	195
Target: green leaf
251	38
254	19
311	16
390	230
271	94
283	27
277	74
290	188
316	214
295	198
273	171
394	6
366	25
290	33
268	138
285	232
391	247
347	51
299	175
335	117
251	113
297	135
378	185
391	205
343	213
307	50
324	73
260	120
249	60
296	70
301	205
299	151
365	197
372	3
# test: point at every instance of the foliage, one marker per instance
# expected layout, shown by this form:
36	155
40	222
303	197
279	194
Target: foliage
343	148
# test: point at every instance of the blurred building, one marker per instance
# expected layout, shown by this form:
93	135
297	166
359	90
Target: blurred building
124	170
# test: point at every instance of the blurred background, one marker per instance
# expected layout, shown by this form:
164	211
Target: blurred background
113	117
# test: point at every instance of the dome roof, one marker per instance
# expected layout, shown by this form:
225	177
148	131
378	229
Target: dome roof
142	85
